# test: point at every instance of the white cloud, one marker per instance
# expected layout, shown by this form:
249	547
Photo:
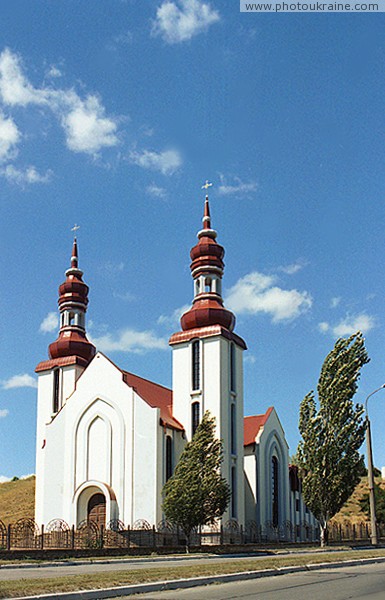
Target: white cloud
50	323
257	293
29	175
155	190
250	359
15	89
167	162
86	126
174	318
9	137
334	302
181	20
19	381
349	325
4	412
129	340
293	268
237	187
54	72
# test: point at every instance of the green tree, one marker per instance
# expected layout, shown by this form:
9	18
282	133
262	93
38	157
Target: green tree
328	454
379	494
196	494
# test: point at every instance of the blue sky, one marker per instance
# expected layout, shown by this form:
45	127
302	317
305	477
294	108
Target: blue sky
113	115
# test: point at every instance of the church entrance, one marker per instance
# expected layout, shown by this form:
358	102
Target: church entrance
96	510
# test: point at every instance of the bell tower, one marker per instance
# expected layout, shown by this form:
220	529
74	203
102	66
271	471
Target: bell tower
71	352
208	362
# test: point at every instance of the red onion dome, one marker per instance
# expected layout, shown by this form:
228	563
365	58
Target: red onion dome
207	261
73	289
75	343
205	312
73	300
207	252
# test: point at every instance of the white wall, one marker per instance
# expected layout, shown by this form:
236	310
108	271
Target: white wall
106	435
214	395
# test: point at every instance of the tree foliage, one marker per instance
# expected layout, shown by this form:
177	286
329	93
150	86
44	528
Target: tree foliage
328	454
196	494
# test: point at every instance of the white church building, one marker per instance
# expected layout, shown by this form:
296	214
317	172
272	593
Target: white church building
108	440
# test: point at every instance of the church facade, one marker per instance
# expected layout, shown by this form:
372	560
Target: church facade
108	440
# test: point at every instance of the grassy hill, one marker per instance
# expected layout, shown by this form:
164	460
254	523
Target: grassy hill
17	500
351	511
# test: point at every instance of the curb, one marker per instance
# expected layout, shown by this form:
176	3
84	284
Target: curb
159	586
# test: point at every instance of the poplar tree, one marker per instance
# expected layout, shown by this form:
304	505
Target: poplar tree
328	454
197	494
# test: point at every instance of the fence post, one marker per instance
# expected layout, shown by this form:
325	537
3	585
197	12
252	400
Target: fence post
128	536
221	535
242	535
73	537
42	538
153	537
9	537
101	538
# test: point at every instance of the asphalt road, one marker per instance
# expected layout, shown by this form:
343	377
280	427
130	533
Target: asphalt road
341	583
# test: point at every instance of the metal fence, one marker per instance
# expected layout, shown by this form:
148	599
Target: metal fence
57	534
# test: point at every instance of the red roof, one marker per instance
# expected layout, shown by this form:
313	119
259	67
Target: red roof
203	332
252	425
155	395
63	361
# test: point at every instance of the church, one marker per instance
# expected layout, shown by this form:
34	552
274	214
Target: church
108	440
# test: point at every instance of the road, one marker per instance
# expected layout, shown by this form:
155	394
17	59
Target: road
340	583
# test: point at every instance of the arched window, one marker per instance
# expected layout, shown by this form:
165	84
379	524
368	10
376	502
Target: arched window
232	368
233	429
168	457
56	386
275	490
194	417
196	365
207	284
233	493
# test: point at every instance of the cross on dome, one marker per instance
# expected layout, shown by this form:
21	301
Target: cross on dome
206	185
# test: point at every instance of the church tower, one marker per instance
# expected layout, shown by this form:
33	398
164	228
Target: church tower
69	355
71	352
208	363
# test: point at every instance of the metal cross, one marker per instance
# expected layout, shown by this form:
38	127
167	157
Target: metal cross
206	185
75	228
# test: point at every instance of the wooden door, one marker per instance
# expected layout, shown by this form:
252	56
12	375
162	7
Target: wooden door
97	509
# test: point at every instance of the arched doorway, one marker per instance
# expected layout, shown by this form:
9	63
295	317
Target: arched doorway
96	509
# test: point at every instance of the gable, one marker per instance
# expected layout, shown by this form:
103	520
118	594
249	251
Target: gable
154	395
252	426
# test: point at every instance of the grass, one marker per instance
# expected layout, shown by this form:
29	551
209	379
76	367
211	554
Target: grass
17	500
351	510
24	587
